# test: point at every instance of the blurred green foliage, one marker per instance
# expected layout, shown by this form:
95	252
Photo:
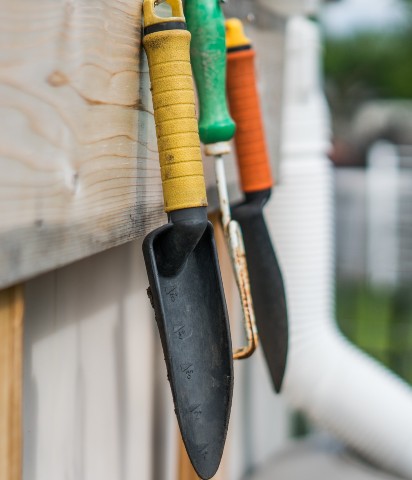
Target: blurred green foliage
379	321
364	66
370	64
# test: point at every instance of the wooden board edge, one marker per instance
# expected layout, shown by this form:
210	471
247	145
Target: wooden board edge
11	381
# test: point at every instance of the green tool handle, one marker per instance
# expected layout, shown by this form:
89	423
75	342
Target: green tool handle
206	23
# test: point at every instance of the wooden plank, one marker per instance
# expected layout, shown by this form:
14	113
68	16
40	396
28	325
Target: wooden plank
186	471
11	345
78	154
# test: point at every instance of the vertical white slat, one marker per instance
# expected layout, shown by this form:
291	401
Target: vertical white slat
89	371
382	213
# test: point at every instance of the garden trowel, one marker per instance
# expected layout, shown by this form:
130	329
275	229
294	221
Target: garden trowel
185	282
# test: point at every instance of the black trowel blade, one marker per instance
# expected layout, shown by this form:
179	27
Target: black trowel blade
192	318
267	288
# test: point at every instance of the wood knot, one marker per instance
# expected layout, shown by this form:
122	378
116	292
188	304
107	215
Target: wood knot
57	79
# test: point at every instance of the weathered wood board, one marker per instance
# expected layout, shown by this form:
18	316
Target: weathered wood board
78	153
78	156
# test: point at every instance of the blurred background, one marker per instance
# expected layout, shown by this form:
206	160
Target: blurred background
367	63
80	175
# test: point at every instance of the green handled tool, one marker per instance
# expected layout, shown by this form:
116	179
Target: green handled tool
206	23
181	260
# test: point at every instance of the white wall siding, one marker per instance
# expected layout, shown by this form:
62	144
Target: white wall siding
89	371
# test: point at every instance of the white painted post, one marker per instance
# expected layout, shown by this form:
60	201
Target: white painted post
383	214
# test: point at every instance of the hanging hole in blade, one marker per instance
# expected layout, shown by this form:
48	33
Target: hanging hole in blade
173	9
163	9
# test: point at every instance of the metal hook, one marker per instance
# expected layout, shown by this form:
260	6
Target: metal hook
234	241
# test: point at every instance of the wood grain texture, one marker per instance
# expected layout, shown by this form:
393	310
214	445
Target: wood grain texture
78	154
11	352
185	469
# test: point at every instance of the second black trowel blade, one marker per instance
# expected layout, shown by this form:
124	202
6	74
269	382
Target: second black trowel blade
266	282
192	319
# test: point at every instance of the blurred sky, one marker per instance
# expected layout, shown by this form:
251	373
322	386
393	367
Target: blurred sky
345	16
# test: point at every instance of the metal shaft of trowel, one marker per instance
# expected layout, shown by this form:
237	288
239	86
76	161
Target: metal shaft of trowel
236	248
222	191
234	239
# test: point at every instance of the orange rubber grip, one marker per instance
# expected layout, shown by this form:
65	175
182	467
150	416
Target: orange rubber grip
252	155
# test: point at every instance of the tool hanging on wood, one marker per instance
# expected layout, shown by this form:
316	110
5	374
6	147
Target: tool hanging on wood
267	286
208	53
181	260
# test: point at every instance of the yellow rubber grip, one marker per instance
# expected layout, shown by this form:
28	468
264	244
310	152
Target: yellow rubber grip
175	115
